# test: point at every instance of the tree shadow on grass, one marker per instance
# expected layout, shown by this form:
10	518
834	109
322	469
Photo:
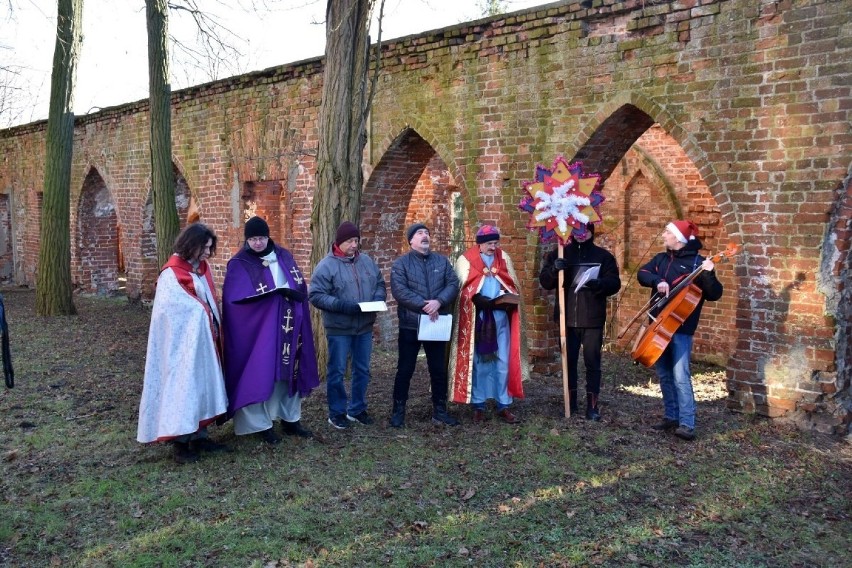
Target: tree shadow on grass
79	490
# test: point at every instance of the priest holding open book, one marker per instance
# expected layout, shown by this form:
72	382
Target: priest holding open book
591	275
487	359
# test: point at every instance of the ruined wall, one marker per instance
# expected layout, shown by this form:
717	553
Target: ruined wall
732	112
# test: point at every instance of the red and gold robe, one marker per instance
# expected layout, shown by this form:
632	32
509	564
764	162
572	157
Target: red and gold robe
471	271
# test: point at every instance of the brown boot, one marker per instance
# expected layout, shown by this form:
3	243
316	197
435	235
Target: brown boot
507	416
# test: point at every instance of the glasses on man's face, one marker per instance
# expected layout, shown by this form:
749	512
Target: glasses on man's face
257	240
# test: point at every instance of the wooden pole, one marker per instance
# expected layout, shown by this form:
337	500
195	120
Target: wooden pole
560	296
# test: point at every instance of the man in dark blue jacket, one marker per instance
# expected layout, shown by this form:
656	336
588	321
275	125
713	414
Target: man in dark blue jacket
424	284
661	274
585	309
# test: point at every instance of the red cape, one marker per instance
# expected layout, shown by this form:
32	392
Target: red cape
471	271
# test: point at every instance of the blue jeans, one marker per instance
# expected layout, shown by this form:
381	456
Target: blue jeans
676	381
340	347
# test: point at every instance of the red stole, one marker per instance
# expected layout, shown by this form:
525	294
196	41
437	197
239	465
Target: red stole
183	271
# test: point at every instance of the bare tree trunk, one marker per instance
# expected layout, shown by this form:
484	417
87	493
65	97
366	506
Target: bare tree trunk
166	222
342	132
53	282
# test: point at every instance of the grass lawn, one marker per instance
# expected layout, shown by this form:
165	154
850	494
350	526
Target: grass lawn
79	491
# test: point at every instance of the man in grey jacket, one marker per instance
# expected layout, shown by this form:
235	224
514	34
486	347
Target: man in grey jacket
340	282
424	284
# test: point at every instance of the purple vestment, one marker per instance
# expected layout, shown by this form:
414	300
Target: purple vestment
268	337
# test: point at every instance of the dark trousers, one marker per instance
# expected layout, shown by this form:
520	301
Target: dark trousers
591	339
436	361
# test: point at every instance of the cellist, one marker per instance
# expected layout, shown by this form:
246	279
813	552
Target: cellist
661	274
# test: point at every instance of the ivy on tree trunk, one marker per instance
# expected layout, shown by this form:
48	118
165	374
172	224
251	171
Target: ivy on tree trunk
53	281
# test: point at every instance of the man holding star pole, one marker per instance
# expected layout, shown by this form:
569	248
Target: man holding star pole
562	203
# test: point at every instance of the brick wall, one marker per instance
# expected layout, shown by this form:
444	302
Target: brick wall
733	113
7	259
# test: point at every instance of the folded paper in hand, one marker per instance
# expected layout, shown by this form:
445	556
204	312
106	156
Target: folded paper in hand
438	330
379	306
585	275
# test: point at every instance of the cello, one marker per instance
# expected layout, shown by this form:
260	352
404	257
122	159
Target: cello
673	310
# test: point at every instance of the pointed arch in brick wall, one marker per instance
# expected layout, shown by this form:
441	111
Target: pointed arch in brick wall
97	238
649	178
629	115
410	183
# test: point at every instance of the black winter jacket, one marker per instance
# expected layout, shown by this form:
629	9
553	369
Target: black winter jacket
671	266
416	279
584	308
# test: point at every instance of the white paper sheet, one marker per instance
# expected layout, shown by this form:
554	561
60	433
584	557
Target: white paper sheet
438	330
588	274
373	306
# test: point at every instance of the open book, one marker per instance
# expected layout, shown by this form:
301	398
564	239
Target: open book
507	299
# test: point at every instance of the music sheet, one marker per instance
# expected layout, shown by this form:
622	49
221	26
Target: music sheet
589	274
438	330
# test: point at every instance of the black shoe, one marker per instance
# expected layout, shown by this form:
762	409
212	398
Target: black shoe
441	417
397	419
593	414
208	445
184	453
361	418
665	425
685	433
572	402
269	437
296	429
592	411
339	421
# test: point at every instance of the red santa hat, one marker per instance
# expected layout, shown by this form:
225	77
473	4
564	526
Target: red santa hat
684	230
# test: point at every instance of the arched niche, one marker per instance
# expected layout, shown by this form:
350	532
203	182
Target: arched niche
410	183
100	262
648	179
